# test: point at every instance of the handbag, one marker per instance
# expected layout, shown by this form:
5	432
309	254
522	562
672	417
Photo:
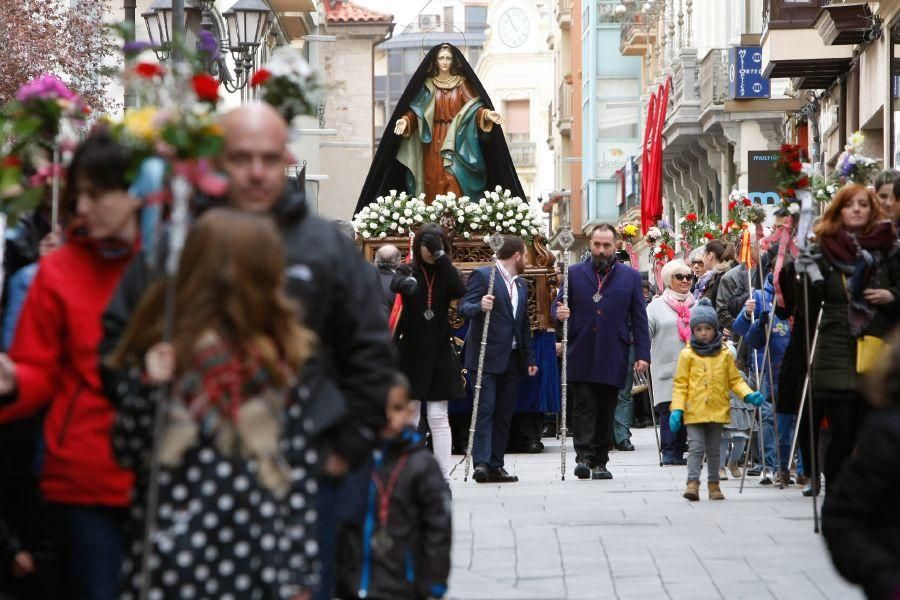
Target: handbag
869	350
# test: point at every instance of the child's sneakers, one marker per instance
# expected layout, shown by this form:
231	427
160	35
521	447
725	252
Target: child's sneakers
715	492
692	491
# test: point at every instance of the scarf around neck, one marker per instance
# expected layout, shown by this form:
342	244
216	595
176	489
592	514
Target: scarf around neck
231	398
707	349
858	257
682	308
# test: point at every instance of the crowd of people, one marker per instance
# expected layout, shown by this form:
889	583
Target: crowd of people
251	427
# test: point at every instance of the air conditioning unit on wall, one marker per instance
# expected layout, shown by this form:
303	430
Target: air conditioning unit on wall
429	21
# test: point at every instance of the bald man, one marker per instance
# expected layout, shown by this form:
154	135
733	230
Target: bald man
387	259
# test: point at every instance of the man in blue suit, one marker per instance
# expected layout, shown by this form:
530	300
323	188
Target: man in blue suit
603	297
507	356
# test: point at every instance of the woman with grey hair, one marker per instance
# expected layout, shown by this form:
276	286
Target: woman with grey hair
669	318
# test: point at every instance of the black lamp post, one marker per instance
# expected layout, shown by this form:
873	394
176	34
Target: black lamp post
245	26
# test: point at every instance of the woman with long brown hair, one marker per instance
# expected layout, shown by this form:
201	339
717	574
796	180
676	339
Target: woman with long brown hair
717	259
857	253
236	492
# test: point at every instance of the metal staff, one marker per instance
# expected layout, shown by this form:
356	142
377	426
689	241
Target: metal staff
646	377
809	405
181	192
496	242
54	207
767	362
566	239
757	413
806	380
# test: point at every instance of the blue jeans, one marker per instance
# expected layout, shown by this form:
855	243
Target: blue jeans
785	431
674	445
89	541
625	405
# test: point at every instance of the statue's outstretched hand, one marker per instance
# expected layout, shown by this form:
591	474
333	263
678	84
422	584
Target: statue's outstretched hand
494	117
401	125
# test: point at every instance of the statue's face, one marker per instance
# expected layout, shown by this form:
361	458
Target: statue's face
444	61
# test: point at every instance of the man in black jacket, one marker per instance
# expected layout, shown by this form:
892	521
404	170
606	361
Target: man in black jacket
325	274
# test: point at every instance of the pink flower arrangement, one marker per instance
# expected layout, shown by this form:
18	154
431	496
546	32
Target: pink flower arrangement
48	87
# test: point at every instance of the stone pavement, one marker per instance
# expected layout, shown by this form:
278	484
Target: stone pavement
633	536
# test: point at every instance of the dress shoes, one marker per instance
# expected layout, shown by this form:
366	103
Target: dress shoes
501	476
534	447
625	446
600	472
481	474
582	471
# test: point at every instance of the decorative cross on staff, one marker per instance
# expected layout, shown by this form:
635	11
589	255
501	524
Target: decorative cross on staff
565	239
496	242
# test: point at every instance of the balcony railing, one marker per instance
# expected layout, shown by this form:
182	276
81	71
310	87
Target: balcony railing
714	78
522	153
564	13
564	114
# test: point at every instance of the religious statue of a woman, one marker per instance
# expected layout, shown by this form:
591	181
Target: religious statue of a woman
444	136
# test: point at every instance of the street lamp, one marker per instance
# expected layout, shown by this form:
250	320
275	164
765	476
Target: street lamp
247	23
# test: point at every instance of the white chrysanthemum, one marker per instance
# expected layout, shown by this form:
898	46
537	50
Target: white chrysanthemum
498	228
495	197
418	218
366	234
394	226
460	219
383	234
467	235
407	212
473	225
393	193
499	205
397	203
381	219
498	189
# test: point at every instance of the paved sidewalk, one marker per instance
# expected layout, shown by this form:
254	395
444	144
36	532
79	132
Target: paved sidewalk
634	536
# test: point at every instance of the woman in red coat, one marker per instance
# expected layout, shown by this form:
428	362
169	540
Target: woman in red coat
53	366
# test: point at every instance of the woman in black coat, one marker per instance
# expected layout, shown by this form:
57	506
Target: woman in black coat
423	336
860	520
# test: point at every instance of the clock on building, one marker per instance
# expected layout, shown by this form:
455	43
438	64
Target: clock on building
513	27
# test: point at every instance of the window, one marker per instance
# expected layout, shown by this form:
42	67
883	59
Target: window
395	62
615	123
518	118
476	18
618	88
474	55
380	113
411	60
448	18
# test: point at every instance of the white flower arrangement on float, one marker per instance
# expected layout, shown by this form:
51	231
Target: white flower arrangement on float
496	211
391	215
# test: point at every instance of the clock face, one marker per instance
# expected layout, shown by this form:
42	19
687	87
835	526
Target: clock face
513	27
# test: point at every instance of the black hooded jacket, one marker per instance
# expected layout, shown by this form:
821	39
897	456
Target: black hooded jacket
386	172
326	274
417	563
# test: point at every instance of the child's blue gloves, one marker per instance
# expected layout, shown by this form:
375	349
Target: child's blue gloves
675	420
754	398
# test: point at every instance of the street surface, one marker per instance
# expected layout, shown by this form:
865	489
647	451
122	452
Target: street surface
633	536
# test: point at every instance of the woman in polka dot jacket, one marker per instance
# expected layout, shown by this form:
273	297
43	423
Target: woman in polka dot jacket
236	512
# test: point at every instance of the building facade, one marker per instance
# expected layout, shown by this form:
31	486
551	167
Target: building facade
516	69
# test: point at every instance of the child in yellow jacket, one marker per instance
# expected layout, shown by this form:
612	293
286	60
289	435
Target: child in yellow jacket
705	374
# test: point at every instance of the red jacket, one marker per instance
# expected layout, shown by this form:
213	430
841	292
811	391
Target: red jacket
56	355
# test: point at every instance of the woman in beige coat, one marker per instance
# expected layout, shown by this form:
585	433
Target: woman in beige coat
669	317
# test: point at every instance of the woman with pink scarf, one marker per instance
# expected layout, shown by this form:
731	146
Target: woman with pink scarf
669	317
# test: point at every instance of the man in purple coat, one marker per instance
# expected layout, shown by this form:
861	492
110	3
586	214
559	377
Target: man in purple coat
603	294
